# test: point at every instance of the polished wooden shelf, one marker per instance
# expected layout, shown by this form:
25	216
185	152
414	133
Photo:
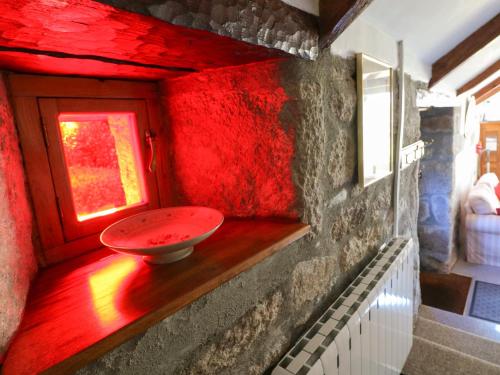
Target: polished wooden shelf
81	309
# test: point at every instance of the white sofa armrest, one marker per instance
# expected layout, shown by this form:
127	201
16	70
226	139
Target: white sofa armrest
483	223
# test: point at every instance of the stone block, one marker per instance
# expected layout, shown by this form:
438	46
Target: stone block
344	99
442	256
441	146
441	187
424	212
342	160
436	115
349	219
224	353
441	208
312	279
431	263
236	156
437	178
438	124
432	237
412	114
436	112
359	246
339	198
435	244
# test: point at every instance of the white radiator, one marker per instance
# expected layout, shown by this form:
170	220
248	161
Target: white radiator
369	328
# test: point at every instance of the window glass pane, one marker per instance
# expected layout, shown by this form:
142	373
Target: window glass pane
103	161
491	142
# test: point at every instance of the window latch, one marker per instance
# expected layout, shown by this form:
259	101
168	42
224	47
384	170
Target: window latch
150	140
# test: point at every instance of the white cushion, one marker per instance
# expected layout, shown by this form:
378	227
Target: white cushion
489	178
483	200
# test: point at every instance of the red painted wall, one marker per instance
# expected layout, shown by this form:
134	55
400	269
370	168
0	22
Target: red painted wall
17	262
231	151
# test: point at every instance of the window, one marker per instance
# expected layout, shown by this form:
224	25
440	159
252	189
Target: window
103	162
89	159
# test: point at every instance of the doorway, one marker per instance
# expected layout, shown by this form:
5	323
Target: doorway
489	137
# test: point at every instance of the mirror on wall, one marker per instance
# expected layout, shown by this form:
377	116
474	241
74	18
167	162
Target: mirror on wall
375	153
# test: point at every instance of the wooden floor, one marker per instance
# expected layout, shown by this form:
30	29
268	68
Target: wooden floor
445	291
79	310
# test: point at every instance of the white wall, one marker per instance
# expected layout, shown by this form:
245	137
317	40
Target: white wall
364	36
309	6
361	36
489	110
430	28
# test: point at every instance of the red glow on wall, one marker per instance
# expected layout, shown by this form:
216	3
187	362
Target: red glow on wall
103	162
231	149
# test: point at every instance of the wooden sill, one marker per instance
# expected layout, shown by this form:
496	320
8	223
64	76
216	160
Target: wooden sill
81	309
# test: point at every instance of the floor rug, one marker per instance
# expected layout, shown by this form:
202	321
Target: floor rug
445	291
486	302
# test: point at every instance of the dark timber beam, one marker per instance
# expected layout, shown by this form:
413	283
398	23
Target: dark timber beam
99	33
465	49
487	91
481	77
335	16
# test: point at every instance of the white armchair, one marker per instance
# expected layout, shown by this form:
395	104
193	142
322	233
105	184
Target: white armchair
482	223
483	239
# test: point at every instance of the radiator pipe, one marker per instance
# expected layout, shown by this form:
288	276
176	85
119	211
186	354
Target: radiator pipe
399	145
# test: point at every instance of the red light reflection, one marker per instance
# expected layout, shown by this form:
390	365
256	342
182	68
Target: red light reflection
233	141
105	285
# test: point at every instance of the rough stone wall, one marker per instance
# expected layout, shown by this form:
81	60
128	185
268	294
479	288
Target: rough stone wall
269	23
246	325
440	192
18	264
229	148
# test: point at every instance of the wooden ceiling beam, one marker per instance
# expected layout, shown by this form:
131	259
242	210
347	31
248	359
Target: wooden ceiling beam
465	49
336	16
97	32
481	77
487	91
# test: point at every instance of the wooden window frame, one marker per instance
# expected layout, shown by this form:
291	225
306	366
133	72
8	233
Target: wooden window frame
50	108
52	242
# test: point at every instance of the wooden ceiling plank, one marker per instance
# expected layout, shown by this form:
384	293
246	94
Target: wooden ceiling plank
465	49
481	77
336	16
87	28
487	91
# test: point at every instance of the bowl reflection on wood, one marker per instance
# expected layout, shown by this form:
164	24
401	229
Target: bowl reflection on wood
164	235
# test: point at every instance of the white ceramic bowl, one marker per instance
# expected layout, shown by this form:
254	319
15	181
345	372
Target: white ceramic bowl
165	235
